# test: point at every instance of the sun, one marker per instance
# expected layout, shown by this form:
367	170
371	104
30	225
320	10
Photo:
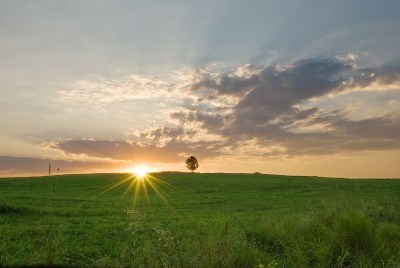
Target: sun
140	171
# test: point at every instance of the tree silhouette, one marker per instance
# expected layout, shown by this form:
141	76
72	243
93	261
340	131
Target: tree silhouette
191	163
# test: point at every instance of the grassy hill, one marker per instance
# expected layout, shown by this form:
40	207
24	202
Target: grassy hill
199	220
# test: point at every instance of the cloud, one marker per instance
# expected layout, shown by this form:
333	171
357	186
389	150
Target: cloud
377	77
279	90
249	107
251	111
267	108
229	85
171	152
384	128
268	94
125	88
21	166
347	57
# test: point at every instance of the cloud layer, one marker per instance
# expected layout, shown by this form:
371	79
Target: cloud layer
272	112
261	111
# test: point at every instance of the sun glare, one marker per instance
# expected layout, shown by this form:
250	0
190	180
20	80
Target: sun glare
142	182
140	172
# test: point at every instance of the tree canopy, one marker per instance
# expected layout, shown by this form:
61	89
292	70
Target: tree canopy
191	163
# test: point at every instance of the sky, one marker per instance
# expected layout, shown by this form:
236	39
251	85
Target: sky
279	87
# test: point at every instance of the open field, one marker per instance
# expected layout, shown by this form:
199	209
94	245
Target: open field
204	220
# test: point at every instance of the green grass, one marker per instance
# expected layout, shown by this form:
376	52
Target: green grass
212	220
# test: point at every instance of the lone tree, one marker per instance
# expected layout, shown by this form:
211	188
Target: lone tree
191	163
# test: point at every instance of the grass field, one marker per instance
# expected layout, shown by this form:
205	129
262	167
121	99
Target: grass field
204	220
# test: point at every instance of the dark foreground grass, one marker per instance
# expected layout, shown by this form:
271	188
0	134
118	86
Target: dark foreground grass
212	220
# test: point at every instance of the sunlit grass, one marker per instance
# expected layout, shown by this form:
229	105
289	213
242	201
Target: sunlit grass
222	220
139	185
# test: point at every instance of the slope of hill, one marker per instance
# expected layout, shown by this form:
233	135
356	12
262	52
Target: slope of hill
199	220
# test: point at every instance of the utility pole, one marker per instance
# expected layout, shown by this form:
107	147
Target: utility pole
49	168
